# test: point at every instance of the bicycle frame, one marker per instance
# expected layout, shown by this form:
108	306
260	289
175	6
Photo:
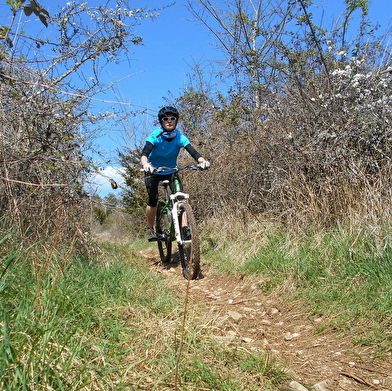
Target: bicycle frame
175	222
168	206
172	202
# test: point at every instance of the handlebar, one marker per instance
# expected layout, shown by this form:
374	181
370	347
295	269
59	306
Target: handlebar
176	169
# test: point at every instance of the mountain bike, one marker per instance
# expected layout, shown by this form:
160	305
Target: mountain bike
175	222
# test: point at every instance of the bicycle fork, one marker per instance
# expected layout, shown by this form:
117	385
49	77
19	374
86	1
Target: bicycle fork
177	198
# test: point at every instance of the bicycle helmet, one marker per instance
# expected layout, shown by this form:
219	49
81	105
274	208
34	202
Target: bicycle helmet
164	111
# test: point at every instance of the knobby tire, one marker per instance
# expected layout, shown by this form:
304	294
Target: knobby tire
189	252
163	224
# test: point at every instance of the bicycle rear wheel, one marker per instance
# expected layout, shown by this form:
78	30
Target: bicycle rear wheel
189	251
163	230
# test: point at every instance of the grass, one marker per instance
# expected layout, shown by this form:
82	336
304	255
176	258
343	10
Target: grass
344	274
72	335
108	323
331	271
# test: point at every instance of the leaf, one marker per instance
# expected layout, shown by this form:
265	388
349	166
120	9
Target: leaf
35	8
42	18
27	10
15	5
3	31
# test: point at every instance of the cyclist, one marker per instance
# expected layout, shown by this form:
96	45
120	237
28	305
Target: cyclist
162	148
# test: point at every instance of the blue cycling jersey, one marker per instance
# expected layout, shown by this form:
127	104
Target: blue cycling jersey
164	152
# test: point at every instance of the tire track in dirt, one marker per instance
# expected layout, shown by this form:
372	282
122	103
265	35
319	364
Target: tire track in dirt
325	361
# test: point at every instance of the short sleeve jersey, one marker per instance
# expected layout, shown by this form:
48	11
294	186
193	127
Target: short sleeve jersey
165	153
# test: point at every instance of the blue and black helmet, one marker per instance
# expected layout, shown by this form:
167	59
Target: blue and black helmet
164	111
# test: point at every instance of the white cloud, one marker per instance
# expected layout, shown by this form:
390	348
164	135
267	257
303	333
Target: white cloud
99	182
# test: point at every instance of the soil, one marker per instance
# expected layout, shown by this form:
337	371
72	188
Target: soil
321	361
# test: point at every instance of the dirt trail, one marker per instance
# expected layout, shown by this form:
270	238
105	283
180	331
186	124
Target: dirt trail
324	361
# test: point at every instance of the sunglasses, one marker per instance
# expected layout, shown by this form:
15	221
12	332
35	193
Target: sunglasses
169	119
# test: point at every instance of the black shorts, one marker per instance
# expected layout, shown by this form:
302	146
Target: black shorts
151	181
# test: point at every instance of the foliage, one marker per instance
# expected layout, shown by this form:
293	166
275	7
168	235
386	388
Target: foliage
48	118
134	197
43	165
334	270
100	213
107	323
342	275
306	139
112	200
17	6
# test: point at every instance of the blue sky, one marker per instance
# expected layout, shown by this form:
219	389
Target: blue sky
172	45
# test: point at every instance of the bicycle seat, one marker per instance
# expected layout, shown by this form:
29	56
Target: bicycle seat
163	183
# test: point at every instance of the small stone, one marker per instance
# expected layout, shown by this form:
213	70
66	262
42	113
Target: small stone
247	340
322	386
273	311
318	320
289	336
295	386
264	342
235	315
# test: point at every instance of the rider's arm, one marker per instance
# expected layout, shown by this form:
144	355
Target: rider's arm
146	151
192	151
196	155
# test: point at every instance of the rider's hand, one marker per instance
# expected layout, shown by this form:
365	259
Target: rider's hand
148	168
204	164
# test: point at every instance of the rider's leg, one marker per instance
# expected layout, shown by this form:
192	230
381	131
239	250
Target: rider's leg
151	182
151	212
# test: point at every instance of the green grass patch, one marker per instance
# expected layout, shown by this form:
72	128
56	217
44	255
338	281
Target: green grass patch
106	322
74	331
334	271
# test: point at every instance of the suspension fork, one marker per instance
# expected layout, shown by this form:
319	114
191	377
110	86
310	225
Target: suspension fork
177	198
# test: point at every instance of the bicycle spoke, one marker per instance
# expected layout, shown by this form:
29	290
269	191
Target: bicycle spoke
163	223
189	251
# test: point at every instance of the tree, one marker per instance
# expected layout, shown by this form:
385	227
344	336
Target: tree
16	7
248	33
134	197
317	130
112	200
47	83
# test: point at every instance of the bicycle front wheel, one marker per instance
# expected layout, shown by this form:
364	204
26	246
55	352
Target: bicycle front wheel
189	250
163	229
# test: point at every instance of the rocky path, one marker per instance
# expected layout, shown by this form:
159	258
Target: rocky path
316	361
